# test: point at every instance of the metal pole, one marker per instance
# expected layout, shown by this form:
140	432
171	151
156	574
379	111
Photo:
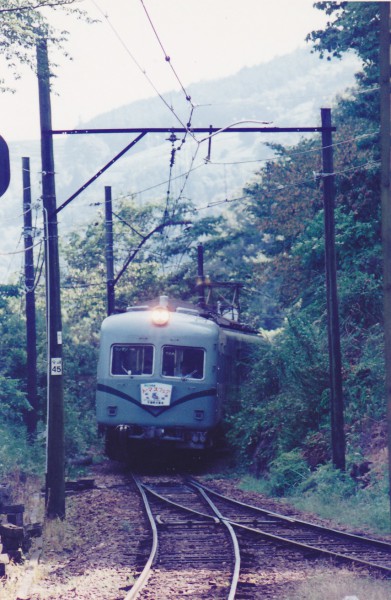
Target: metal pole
109	251
55	471
385	131
335	362
29	276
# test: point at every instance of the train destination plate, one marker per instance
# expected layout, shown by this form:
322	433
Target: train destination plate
156	394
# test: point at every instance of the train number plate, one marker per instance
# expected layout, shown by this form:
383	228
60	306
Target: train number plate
156	394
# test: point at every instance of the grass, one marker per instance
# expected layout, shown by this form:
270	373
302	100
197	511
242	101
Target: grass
335	496
347	585
368	510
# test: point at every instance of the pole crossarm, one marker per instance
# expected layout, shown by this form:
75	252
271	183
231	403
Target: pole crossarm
209	130
142	131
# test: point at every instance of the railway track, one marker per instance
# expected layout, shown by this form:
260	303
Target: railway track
186	537
222	547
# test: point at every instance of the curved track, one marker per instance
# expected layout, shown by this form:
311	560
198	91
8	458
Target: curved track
218	544
189	538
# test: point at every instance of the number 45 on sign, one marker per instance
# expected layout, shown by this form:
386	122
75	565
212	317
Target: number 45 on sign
56	366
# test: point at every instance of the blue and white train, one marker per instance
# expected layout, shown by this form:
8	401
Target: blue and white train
164	371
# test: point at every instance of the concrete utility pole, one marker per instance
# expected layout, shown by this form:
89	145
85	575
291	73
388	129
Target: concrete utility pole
55	468
29	277
385	130
335	361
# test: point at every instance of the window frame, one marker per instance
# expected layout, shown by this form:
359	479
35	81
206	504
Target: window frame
130	345
184	375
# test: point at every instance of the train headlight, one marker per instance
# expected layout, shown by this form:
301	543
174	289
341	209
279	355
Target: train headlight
160	315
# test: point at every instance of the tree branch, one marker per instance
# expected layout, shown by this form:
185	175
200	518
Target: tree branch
42	4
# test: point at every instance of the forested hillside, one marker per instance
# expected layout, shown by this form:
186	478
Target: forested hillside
272	240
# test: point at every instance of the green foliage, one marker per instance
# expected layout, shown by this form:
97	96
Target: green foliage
353	26
12	401
285	398
17	453
249	429
327	492
279	426
287	472
326	480
81	355
23	24
365	377
285	406
331	493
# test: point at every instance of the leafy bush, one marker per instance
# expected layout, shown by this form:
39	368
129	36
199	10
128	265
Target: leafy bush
327	492
331	493
17	453
12	400
285	398
287	472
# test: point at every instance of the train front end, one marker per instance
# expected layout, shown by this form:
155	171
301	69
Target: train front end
157	375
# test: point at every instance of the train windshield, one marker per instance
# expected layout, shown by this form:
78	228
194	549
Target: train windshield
184	362
132	359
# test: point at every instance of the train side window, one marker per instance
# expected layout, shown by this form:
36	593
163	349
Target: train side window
184	362
132	359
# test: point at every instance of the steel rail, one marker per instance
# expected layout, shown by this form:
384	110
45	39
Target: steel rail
219	519
342	534
287	541
234	539
143	577
177	505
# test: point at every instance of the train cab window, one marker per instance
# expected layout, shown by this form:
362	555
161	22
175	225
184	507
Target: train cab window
184	362
129	359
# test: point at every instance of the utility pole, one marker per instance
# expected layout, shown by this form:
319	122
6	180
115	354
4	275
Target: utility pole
334	343
29	277
109	251
385	131
201	276
55	471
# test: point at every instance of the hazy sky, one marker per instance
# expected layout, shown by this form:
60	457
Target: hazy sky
115	61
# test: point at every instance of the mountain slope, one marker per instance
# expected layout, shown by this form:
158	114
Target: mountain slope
287	91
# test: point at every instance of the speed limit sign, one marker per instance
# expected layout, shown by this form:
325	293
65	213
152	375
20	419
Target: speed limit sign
56	366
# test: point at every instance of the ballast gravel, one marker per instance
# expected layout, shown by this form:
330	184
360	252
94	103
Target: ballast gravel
104	542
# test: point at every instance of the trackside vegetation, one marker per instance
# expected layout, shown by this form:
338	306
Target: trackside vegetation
278	428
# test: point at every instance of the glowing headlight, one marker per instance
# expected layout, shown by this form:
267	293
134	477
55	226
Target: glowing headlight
160	315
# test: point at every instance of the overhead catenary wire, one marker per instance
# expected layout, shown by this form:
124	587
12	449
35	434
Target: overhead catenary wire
291	155
258	160
186	177
139	67
166	56
188	98
168	60
281	187
21	251
20	215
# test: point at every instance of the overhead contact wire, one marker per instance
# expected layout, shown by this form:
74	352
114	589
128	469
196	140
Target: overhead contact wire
166	56
135	61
